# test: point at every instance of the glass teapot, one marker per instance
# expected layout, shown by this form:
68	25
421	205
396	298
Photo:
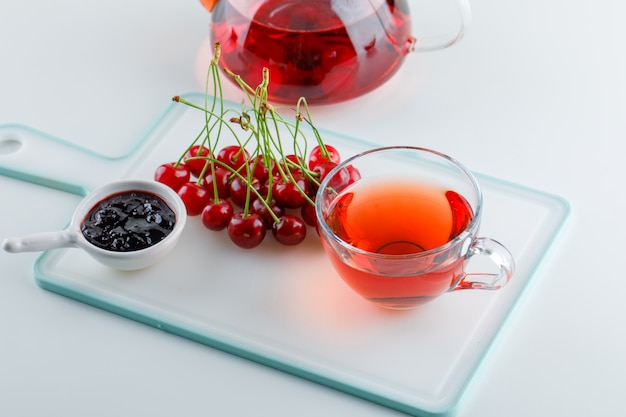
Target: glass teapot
324	50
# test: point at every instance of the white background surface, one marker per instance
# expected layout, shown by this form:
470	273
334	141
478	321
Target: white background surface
535	94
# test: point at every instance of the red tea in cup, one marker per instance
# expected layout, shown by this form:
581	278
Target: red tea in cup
401	235
381	217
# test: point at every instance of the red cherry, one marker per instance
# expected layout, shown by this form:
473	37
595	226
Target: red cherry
194	196
322	169
307	211
196	165
290	230
234	156
216	216
172	175
293	166
287	193
219	180
260	208
265	187
293	158
353	174
344	177
462	213
239	190
260	171
316	156
246	232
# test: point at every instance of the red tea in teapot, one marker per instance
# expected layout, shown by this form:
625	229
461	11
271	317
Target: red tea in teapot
323	50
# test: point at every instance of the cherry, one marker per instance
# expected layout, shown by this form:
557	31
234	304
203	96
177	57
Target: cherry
265	187
290	230
344	177
261	208
246	231
234	156
292	163
219	180
172	174
353	174
260	170
196	165
462	213
239	190
287	194
293	158
317	156
322	169
194	196
307	211
216	215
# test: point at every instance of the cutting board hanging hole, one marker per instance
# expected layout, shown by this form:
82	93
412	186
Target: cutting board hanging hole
10	145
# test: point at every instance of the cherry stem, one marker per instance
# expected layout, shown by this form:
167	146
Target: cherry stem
264	128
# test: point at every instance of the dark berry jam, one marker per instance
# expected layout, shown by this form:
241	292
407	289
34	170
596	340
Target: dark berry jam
128	221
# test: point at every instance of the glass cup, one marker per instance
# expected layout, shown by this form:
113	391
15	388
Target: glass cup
399	225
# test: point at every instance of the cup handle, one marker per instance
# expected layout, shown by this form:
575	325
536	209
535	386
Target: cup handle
434	43
499	255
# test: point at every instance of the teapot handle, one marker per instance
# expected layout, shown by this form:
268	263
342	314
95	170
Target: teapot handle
434	43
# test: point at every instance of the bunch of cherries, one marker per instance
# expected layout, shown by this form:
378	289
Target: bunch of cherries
249	194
